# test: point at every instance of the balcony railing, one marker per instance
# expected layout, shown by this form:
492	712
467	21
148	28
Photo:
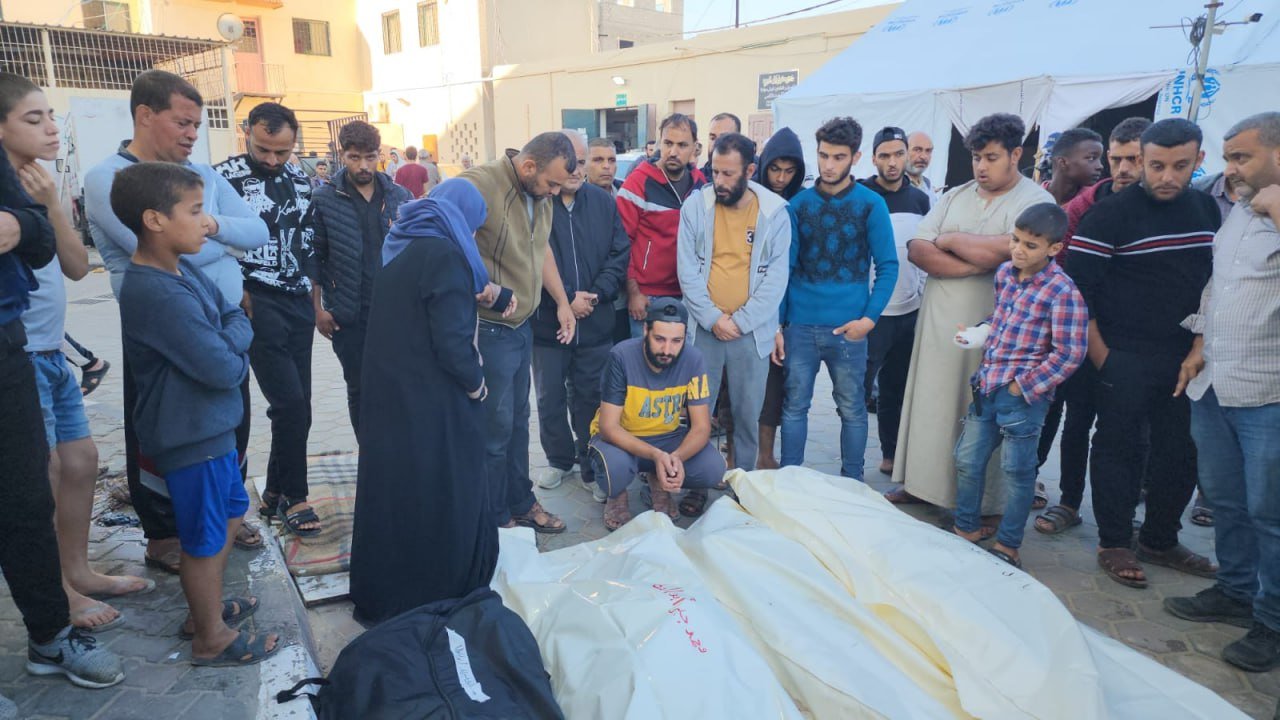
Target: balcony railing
260	79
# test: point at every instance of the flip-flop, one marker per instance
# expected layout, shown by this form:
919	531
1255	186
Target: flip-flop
115	622
900	496
168	562
251	531
147	586
1006	557
1060	518
248	606
985	533
1041	498
1202	516
91	379
247	649
1113	561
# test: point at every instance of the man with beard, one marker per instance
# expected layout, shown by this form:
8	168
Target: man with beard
734	242
960	243
1075	400
351	217
649	202
889	342
781	169
647	384
278	302
514	242
721	124
1077	163
1141	258
842	229
919	156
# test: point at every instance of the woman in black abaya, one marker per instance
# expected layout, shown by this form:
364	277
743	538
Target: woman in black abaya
423	531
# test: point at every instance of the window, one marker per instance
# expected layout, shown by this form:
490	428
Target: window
218	118
391	33
428	24
248	42
311	37
111	16
623	44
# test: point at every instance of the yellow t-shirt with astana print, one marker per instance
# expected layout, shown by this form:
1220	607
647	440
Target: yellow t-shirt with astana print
728	283
652	402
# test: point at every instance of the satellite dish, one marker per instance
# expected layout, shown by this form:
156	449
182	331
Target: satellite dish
230	27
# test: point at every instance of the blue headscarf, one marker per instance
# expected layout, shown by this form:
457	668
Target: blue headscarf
454	210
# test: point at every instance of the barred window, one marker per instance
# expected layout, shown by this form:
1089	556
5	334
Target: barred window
311	37
391	33
428	24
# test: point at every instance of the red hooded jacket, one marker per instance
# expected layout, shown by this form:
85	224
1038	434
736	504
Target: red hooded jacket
650	210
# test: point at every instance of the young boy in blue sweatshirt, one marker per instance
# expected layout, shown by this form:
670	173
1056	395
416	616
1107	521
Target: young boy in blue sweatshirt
188	349
1033	341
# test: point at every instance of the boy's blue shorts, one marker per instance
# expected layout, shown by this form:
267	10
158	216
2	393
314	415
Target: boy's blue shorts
205	496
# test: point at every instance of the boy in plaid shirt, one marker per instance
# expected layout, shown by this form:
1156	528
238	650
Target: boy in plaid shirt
1033	341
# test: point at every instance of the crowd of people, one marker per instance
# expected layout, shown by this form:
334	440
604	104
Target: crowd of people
642	315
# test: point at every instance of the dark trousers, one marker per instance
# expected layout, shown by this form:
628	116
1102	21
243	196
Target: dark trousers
28	547
155	511
775	390
567	378
283	329
82	351
1076	403
1134	393
889	357
507	354
348	345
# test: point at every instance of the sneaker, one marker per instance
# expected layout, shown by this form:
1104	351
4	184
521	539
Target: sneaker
75	654
597	493
551	478
1257	651
1211	605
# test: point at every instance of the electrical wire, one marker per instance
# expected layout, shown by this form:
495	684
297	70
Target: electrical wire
768	19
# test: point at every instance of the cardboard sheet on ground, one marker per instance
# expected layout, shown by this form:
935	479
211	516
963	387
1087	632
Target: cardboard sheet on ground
1012	648
627	629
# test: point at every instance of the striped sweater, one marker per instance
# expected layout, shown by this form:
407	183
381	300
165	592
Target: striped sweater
1141	264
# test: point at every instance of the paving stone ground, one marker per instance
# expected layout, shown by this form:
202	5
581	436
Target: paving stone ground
161	685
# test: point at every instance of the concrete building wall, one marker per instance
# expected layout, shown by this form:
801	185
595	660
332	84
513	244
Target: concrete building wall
639	22
712	73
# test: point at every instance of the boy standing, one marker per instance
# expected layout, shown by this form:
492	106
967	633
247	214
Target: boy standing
1035	338
188	348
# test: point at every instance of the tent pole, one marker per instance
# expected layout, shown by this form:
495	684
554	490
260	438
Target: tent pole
1202	62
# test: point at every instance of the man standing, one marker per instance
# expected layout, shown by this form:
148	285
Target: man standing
960	243
734	242
278	301
591	251
1077	163
649	203
351	217
412	176
919	156
433	171
781	169
889	342
167	112
1141	258
1232	375
322	174
721	124
602	165
1075	398
518	189
842	229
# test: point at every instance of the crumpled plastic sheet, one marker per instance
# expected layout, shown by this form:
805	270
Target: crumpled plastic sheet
815	597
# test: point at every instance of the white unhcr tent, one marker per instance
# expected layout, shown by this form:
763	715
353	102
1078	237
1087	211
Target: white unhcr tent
933	64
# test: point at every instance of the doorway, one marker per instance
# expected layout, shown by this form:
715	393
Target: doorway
622	126
251	76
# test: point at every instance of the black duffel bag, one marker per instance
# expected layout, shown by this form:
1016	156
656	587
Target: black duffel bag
453	659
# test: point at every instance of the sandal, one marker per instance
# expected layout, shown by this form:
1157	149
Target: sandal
694	503
616	512
1006	557
235	610
293	521
1202	516
1056	519
147	586
1041	498
661	499
1114	561
985	533
900	496
270	501
248	537
247	649
91	379
1181	559
550	525
168	562
99	607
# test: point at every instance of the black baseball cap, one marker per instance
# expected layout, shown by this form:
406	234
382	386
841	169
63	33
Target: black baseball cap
667	310
888	134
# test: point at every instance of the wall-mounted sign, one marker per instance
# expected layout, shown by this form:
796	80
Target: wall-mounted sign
620	100
774	84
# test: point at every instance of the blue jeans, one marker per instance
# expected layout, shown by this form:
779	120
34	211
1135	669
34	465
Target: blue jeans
1003	419
507	354
808	346
1239	463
